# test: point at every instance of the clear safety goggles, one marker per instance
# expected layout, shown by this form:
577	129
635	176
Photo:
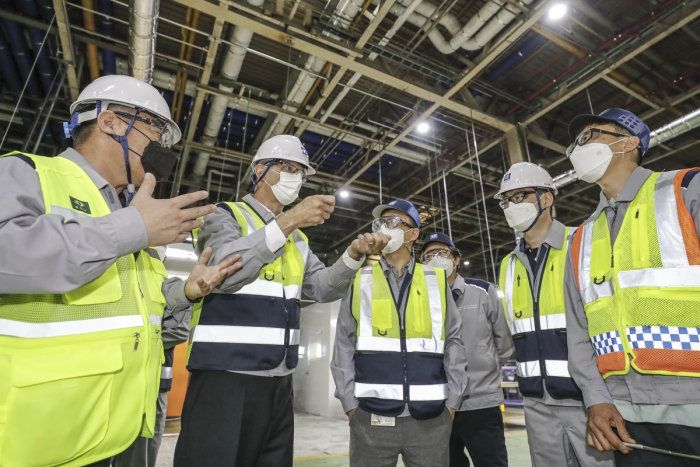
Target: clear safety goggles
391	222
441	253
159	127
517	198
586	136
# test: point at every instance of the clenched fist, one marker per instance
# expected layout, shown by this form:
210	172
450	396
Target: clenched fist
367	244
311	211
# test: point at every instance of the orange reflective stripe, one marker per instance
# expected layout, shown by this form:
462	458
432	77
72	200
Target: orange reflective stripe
576	253
614	361
690	235
667	360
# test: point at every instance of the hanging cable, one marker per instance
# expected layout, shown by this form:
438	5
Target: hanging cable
590	104
223	164
483	200
24	88
476	197
447	204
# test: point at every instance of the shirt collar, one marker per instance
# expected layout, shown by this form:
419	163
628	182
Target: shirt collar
78	159
629	190
386	267
554	237
459	285
260	208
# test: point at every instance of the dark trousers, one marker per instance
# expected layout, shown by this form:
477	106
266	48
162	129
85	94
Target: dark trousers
676	438
481	432
235	420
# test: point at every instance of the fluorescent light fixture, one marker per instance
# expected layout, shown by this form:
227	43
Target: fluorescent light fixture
344	194
423	127
557	11
466	263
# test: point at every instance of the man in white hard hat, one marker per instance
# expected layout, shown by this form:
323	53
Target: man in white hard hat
532	280
478	423
245	337
83	293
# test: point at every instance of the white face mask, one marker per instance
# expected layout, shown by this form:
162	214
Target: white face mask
521	217
442	263
287	189
592	160
395	239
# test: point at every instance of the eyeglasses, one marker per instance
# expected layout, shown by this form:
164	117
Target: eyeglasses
586	137
159	127
517	198
291	169
441	253
391	222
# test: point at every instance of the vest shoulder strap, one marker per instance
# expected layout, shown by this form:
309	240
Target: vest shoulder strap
688	228
576	252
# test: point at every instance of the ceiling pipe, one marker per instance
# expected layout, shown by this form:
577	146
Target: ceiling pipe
36	36
106	27
89	24
143	23
660	135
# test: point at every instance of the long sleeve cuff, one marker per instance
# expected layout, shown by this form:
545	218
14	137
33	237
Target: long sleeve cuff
349	403
129	229
454	401
351	263
591	398
274	238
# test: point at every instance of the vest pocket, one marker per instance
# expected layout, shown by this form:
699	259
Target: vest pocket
59	404
104	289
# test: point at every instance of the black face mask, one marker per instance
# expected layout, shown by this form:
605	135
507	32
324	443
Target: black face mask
158	160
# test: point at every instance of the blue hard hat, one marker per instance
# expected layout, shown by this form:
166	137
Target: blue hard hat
402	205
622	117
438	237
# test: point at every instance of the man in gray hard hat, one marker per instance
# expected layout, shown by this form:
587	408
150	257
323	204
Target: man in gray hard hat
245	338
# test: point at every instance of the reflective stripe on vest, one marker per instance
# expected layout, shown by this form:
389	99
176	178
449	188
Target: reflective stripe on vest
645	302
386	376
101	338
544	349
367	342
229	330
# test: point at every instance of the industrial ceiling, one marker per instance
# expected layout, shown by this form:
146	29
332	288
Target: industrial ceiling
429	100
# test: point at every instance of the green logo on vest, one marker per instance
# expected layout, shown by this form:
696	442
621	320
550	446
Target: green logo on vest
81	206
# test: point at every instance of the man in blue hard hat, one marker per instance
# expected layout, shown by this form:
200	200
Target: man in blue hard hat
399	364
632	293
478	423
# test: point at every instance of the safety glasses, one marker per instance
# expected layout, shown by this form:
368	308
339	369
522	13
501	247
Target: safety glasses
391	222
441	253
586	136
159	127
291	169
517	198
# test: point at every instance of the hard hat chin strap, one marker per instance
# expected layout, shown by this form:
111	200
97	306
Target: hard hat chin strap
262	177
540	210
123	140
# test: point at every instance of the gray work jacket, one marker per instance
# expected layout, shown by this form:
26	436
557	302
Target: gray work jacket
633	387
485	329
60	252
553	239
343	366
223	234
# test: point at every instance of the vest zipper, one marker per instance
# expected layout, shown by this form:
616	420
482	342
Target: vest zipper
137	335
536	309
612	227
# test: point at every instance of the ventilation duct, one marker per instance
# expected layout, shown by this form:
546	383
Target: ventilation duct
142	38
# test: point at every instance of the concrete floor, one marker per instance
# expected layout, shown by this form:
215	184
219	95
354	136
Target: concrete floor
323	442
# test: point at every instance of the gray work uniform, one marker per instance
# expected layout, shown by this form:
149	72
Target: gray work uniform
556	428
490	345
80	247
638	397
420	442
223	235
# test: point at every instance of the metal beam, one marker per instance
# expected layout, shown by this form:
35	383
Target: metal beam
366	35
631	92
198	101
304	45
545	143
509	38
59	7
691	16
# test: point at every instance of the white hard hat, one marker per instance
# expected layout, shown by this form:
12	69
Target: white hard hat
526	175
123	90
285	147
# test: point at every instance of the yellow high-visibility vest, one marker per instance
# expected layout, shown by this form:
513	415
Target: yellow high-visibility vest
80	370
642	295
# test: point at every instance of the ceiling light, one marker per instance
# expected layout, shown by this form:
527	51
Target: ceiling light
344	194
557	11
466	263
423	127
